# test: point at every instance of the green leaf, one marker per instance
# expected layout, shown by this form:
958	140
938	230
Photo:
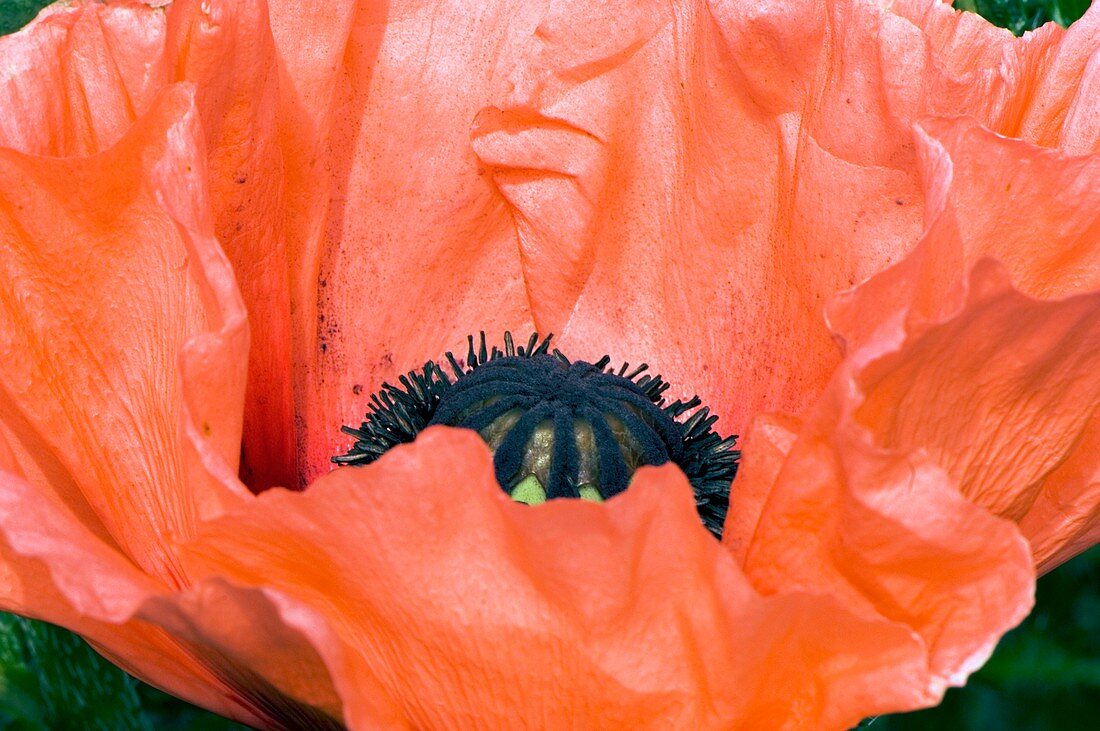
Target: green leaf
14	14
1024	15
51	679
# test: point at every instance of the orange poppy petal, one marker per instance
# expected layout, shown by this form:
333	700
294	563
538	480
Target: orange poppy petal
95	68
1041	88
1025	445
738	165
74	80
403	246
679	199
1004	398
457	605
225	49
259	646
122	338
53	568
1033	210
244	653
827	510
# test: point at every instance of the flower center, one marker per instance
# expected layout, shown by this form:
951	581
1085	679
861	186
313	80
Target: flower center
578	431
557	428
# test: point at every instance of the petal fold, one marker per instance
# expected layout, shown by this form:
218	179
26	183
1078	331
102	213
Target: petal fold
1023	445
225	49
258	645
53	568
244	653
98	69
824	509
1005	398
695	186
75	79
472	609
606	152
122	337
403	246
1039	88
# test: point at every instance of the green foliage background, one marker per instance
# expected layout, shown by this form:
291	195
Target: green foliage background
1022	15
51	679
1044	675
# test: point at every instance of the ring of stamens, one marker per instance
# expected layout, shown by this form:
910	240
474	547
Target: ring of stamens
572	429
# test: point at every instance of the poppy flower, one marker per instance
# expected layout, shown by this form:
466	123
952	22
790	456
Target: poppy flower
865	236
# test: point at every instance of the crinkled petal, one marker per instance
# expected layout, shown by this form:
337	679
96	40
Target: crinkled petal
1001	389
245	653
595	131
460	607
607	144
226	50
822	508
78	77
678	198
562	145
1005	398
122	338
53	568
551	168
402	244
1036	211
1040	88
74	80
693	184
260	646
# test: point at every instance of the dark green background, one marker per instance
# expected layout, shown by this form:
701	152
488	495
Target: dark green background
1044	675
